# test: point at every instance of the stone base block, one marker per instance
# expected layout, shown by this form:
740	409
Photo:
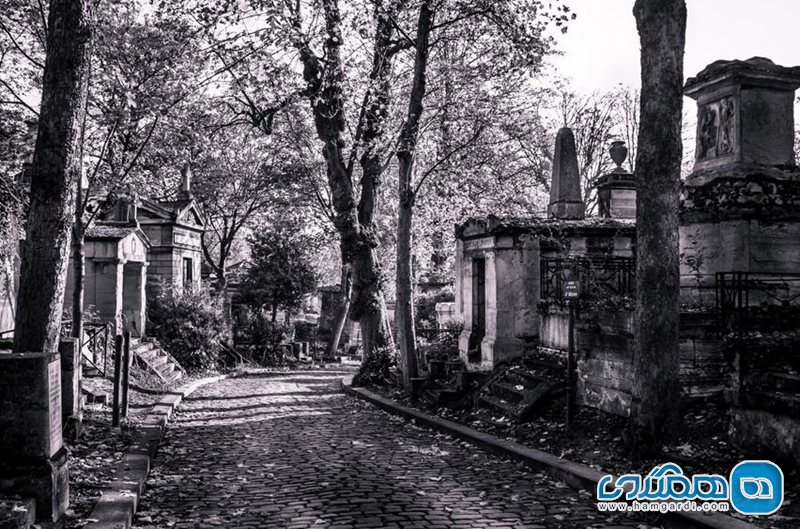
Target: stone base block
45	480
496	349
567	210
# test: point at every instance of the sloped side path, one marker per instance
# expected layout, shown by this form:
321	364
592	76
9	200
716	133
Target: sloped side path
267	451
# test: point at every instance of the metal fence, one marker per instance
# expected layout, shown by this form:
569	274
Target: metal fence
598	276
747	300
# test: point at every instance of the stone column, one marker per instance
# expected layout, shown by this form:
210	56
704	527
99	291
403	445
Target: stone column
119	284
458	265
491	302
143	294
34	461
467	271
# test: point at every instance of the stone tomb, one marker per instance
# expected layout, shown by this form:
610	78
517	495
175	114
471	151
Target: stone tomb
740	214
115	276
741	204
34	461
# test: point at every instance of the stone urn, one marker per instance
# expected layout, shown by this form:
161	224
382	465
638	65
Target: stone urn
618	152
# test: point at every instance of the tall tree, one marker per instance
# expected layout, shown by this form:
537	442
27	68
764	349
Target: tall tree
404	311
281	273
55	177
354	220
656	390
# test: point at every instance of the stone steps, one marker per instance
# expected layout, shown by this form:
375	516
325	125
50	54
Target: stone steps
520	391
499	405
509	391
442	396
774	402
156	360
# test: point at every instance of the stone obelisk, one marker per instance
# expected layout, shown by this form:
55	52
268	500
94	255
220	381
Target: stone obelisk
565	189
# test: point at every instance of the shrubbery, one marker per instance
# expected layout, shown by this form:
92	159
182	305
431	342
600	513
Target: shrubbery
378	369
425	307
190	325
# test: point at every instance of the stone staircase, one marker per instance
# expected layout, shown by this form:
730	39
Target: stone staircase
519	391
156	360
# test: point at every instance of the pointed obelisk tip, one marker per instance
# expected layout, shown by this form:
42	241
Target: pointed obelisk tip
565	188
186	180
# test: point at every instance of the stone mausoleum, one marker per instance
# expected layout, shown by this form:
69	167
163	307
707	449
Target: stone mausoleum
740	265
136	247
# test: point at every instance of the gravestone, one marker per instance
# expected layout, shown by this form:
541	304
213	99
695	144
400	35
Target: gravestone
565	188
34	459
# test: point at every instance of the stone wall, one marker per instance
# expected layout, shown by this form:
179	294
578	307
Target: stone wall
604	355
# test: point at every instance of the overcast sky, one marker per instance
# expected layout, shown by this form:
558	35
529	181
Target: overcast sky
601	48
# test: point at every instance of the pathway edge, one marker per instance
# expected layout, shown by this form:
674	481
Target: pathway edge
576	475
119	500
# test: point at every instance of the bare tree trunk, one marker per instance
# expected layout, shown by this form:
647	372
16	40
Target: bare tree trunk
55	177
353	221
341	318
404	310
656	389
406	336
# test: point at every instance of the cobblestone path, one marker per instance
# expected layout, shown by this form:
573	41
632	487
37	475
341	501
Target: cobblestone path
292	451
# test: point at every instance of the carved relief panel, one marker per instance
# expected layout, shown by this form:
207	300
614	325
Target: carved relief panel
716	129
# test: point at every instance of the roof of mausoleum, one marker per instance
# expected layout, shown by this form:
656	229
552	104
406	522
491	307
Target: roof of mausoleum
114	233
183	210
492	225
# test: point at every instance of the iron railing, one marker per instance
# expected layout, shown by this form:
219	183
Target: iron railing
98	339
749	301
598	276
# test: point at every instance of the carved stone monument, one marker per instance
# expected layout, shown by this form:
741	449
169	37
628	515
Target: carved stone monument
565	189
740	218
742	201
744	113
34	459
616	191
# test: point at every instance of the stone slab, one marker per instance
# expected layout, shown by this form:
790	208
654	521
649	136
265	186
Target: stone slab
71	411
30	404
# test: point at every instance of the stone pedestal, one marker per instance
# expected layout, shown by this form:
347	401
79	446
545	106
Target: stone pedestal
34	460
71	411
740	207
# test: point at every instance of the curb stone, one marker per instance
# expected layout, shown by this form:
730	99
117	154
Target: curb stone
576	475
118	502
